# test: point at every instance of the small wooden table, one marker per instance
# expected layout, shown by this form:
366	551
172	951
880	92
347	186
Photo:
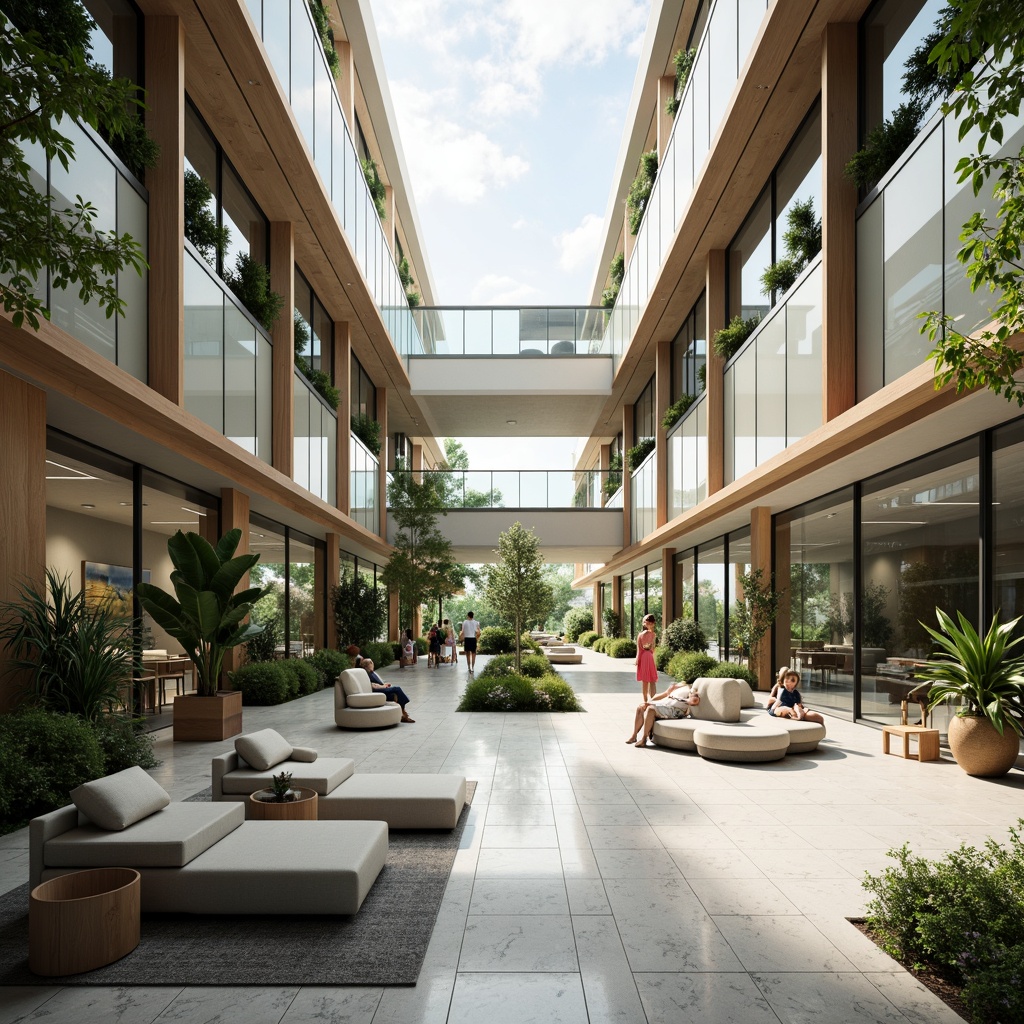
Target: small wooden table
83	920
927	740
302	809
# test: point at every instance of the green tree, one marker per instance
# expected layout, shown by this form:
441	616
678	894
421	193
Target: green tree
516	584
754	613
457	495
982	48
559	577
360	610
39	87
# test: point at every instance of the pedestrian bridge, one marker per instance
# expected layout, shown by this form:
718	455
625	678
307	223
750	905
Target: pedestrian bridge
484	369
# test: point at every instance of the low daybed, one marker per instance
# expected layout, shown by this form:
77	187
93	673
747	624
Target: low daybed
727	726
405	800
204	858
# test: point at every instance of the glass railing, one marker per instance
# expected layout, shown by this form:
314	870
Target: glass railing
315	441
615	500
227	361
515	488
363	470
296	54
643	499
122	205
908	235
512	331
723	49
688	459
773	384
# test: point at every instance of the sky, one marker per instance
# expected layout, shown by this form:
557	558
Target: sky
510	114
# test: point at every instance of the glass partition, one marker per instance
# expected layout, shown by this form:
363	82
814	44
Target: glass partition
711	595
643	499
315	441
510	331
363	468
688	459
1008	522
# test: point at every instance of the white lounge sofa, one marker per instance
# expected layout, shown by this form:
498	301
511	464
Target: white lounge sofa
204	858
406	800
358	706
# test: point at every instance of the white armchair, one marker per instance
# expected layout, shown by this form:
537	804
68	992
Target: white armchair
358	706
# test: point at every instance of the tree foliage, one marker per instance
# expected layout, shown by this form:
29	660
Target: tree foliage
515	585
360	610
640	191
39	88
983	49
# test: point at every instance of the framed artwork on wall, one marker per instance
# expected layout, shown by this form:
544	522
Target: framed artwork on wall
109	586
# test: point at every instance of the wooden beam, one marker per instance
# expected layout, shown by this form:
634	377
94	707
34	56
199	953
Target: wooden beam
662	400
346	83
715	305
342	381
761	558
668	612
282	281
165	120
382	467
839	227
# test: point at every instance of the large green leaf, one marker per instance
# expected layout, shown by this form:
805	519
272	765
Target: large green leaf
229	575
227	545
165	610
186	560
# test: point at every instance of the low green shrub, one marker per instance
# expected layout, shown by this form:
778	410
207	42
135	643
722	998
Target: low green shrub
331	663
587	638
124	743
622	647
496	640
307	678
963	916
600	644
43	756
379	652
686	666
685	635
662	656
533	666
731	670
422	645
527	643
264	682
577	621
518	693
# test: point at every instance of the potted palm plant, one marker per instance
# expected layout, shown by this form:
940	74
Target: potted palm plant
988	682
207	618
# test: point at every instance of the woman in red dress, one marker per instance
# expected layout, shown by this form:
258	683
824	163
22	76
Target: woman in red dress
646	669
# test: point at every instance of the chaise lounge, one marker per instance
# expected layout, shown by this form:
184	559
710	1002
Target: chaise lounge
406	800
204	858
727	726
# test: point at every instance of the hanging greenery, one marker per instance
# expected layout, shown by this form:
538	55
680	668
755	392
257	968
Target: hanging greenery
200	222
320	379
639	452
326	33
885	144
614	481
616	272
674	413
250	281
683	61
367	430
405	276
378	192
802	240
728	340
640	190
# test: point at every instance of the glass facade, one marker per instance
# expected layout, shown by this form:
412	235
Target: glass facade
510	331
363	471
315	441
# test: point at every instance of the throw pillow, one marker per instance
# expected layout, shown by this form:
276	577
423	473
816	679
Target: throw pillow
264	749
121	799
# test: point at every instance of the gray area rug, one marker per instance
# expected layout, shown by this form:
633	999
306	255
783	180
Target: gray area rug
384	944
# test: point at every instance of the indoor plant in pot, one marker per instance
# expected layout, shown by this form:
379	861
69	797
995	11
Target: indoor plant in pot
207	618
988	681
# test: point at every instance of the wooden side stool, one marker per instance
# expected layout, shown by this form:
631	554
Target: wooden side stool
927	740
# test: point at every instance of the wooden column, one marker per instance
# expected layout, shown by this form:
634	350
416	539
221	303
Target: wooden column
165	119
839	227
282	281
662	400
394	618
668	611
342	381
346	83
389	220
666	90
234	514
784	620
332	572
22	503
417	464
598	610
715	305
617	598
627	484
382	468
761	558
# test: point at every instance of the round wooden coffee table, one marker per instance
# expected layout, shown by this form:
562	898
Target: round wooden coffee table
302	809
83	920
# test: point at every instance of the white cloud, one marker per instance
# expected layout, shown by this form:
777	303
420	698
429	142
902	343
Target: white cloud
501	290
519	223
447	158
577	248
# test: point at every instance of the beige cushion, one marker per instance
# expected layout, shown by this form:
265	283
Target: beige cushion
355	680
263	749
366	700
388	714
155	653
719	700
307	754
404	801
803	736
740	742
746	695
170	838
323	775
121	799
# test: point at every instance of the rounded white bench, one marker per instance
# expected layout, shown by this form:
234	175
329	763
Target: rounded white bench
719	742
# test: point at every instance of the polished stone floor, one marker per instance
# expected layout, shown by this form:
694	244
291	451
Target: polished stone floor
597	882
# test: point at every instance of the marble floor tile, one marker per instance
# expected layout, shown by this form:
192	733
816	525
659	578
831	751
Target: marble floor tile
518	999
918	1004
519	864
694	837
743	896
100	1005
518	943
675	814
428	1002
766	837
318	1005
705	998
519	837
519	896
716	864
844	897
826	998
579	862
608	982
519	814
765	944
636	864
17	1002
623	837
612	814
587	896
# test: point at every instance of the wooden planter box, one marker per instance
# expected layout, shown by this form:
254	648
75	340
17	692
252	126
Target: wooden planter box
202	719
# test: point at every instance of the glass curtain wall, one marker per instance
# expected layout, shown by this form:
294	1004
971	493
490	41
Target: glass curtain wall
920	525
606	605
687	460
712	596
655	595
626	624
739	621
814	630
1007	588
685	584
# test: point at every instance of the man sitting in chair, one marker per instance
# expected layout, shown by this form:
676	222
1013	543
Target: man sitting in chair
395	693
675	702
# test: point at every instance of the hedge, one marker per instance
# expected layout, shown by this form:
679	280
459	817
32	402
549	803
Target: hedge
518	693
265	682
587	639
576	621
331	663
622	647
687	666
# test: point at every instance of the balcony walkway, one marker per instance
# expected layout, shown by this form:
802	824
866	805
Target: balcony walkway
599	882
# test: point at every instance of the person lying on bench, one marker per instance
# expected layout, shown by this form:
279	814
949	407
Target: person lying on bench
395	693
675	702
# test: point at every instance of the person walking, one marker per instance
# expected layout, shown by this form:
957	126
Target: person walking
468	635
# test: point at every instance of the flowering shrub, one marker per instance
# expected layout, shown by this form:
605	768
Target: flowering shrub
509	692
